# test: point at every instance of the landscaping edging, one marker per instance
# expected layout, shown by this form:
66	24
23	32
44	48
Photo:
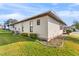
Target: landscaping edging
50	45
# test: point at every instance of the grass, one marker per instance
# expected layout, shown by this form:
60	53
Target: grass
16	45
4	31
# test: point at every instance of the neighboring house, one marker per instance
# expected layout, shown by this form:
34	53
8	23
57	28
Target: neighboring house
72	28
5	27
11	27
46	25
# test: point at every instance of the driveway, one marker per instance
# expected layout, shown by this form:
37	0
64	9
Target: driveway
75	33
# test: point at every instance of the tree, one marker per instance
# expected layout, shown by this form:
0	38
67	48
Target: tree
76	24
68	31
9	21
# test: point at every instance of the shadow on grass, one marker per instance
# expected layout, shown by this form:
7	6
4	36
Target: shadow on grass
75	40
8	38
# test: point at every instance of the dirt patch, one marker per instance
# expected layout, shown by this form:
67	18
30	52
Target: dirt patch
56	42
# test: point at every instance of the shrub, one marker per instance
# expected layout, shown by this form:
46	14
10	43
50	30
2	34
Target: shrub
25	34
33	35
68	31
73	30
12	32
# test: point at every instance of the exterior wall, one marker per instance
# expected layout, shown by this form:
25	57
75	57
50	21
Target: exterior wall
48	28
18	27
26	26
53	28
41	30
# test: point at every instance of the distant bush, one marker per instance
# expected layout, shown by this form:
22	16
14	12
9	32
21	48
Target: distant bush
24	34
68	31
33	35
73	30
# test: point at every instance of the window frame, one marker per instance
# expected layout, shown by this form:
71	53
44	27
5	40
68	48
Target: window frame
31	26
38	22
22	28
61	27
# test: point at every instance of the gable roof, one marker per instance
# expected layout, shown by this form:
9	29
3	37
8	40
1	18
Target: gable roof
49	13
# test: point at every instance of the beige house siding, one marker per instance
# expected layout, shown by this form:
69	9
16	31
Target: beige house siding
53	28
26	25
18	27
41	30
48	28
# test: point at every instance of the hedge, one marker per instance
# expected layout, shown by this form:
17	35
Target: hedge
33	35
25	34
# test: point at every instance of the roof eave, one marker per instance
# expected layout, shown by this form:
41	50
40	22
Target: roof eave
49	13
56	17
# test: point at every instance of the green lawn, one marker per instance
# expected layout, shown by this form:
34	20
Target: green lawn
4	31
16	45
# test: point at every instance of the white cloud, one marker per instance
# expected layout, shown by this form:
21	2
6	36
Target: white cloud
69	13
13	16
32	9
69	16
19	7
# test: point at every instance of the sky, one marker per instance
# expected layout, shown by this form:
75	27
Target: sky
68	12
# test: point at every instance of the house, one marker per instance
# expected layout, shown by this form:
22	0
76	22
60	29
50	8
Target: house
46	25
72	28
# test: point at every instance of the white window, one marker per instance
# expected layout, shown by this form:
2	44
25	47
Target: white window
31	26
31	23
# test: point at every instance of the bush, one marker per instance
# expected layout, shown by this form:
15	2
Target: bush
73	30
25	34
12	32
33	35
68	31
